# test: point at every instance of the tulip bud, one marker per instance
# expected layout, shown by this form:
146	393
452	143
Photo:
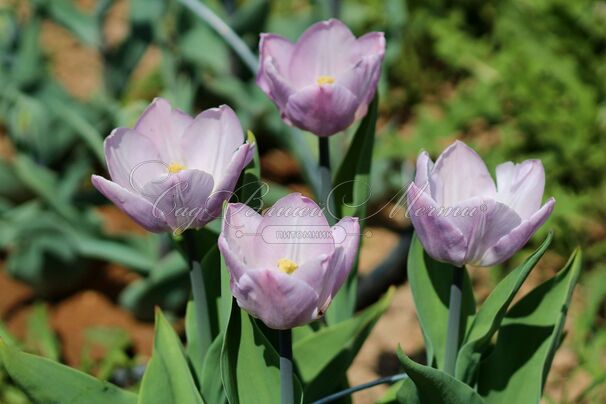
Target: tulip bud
461	217
288	264
326	80
172	171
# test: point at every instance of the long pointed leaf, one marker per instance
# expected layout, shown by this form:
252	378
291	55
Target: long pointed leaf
489	317
167	378
516	369
46	381
429	385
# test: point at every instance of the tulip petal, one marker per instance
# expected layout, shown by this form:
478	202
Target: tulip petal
210	142
521	186
293	213
164	126
372	43
483	222
327	48
278	90
225	184
233	260
276	50
134	205
342	260
240	226
314	271
279	300
132	159
424	168
460	174
182	197
323	110
440	237
517	238
362	80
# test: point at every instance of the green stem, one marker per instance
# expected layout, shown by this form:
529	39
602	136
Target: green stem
286	378
454	321
326	179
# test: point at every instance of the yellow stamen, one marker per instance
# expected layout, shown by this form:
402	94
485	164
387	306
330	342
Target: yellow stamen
322	80
174	168
287	266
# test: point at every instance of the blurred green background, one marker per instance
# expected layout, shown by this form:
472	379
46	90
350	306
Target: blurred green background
514	79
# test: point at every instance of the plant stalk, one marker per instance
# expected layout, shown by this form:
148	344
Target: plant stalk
326	179
454	321
286	377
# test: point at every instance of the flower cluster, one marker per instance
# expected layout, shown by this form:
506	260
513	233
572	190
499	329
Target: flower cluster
172	172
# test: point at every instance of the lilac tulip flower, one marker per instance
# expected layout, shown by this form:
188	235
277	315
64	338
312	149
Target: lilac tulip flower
172	171
287	264
461	217
326	80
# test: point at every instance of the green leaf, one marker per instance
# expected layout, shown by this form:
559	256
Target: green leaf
46	381
250	16
211	385
167	286
250	366
41	338
331	350
489	317
43	182
516	369
87	132
167	378
430	283
350	194
28	57
433	386
351	183
6	336
391	394
111	251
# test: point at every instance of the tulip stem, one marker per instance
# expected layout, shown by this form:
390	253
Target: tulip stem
286	383
454	321
198	290
325	179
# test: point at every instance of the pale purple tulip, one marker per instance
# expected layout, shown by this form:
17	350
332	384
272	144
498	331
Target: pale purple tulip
326	80
287	265
461	217
172	171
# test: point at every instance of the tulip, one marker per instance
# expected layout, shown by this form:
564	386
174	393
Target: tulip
287	265
326	80
172	171
461	217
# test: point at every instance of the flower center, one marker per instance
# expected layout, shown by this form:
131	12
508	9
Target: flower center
174	168
322	80
287	266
